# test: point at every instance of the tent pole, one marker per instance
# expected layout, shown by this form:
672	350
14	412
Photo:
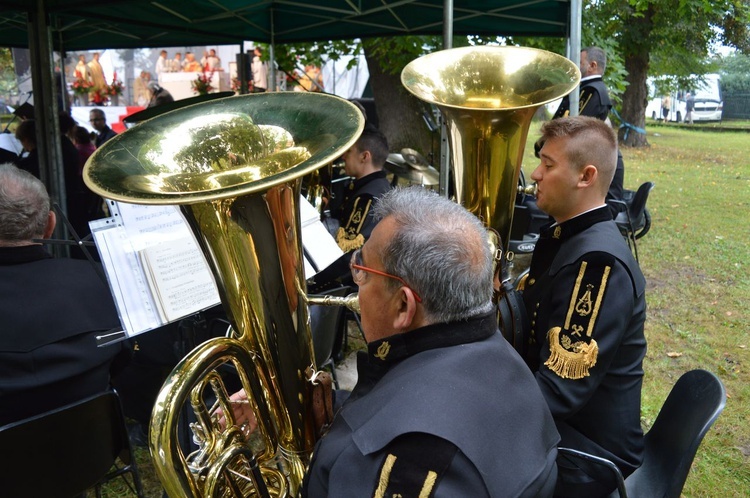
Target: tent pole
45	113
444	159
574	45
272	53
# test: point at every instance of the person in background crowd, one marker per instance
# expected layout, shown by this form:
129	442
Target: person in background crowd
84	145
162	64
666	103
689	108
192	65
26	134
159	95
142	95
52	309
585	300
98	121
594	101
211	61
259	70
96	73
176	63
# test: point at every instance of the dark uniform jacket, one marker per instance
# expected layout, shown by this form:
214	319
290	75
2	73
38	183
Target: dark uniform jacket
355	217
585	298
356	223
104	135
50	311
594	101
448	408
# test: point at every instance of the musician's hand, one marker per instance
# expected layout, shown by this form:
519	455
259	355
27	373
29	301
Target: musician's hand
242	411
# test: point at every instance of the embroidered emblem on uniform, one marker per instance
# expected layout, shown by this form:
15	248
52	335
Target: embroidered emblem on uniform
557	232
383	350
356	217
584	304
573	350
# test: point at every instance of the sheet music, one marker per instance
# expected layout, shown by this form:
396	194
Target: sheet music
155	268
318	243
158	274
131	293
180	277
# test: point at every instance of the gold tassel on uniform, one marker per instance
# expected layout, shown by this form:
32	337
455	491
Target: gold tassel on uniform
346	244
573	350
570	361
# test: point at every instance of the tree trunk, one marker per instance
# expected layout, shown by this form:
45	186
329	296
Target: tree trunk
635	98
634	101
399	113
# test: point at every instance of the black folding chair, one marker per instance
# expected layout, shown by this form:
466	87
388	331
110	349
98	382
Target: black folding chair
68	450
635	221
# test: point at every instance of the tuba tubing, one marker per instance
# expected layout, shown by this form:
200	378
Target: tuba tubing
234	166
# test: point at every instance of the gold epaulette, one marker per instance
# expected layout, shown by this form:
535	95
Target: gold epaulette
573	350
349	244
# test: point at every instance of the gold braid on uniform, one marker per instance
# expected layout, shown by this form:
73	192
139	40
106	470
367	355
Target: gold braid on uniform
584	101
414	465
573	350
349	237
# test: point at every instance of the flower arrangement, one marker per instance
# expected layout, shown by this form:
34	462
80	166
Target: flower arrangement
116	87
81	86
237	85
202	84
99	96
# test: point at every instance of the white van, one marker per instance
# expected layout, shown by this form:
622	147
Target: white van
708	102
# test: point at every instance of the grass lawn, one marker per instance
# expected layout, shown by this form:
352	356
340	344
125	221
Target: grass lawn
696	260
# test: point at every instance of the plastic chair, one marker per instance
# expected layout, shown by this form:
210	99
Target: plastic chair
579	456
691	408
68	450
635	221
326	323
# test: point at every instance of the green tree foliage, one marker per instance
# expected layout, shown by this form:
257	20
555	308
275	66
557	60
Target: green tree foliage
7	72
659	37
735	74
399	113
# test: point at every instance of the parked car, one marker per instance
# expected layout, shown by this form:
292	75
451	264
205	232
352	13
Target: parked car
708	102
707	109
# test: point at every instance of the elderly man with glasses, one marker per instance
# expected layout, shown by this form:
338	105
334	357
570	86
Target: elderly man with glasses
443	406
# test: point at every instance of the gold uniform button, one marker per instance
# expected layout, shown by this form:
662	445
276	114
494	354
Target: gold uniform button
537	305
532	281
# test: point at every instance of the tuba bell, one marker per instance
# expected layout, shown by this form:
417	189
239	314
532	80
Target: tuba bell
487	97
234	167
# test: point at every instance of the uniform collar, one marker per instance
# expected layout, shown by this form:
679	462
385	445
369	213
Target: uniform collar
395	348
22	254
576	224
593	77
358	184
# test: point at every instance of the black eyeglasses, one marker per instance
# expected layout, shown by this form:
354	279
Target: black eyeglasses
359	272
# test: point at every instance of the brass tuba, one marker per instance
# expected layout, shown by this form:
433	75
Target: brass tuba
234	166
487	96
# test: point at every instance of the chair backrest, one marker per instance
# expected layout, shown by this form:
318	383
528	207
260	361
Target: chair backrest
691	408
325	322
637	206
64	451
